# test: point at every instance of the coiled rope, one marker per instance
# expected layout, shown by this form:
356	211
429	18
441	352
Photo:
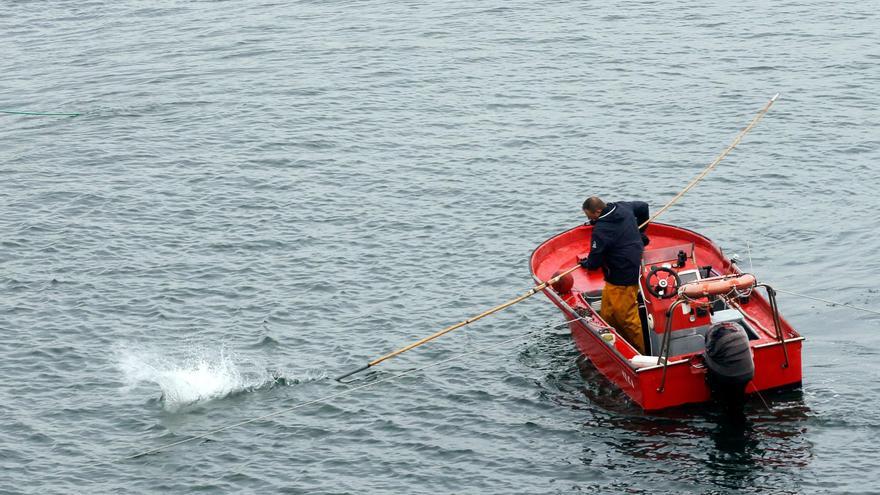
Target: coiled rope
330	397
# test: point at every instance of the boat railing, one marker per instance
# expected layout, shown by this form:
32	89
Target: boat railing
663	355
664	345
774	310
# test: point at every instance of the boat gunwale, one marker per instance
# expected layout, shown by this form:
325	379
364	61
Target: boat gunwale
532	256
762	345
580	319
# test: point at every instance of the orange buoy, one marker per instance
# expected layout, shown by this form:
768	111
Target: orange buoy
563	285
717	286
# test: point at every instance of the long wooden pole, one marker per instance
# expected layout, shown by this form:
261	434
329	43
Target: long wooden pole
534	290
717	160
538	288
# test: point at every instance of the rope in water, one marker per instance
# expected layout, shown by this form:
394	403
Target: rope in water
833	303
329	397
48	114
769	409
32	149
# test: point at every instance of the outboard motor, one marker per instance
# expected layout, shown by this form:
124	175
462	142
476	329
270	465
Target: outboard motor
730	366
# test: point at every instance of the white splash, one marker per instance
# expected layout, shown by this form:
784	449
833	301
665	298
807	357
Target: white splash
198	376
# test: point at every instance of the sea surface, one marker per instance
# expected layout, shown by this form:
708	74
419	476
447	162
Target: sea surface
259	196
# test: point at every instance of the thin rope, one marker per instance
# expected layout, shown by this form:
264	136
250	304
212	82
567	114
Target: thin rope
47	114
717	160
769	409
328	397
32	149
749	249
833	303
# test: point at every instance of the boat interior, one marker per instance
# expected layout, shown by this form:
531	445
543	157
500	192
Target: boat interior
689	323
673	258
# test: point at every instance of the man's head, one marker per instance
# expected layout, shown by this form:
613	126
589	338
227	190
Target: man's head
593	207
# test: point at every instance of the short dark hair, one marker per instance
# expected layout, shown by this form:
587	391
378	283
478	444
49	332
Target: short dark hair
594	203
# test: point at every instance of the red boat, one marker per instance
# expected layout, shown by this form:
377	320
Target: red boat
686	286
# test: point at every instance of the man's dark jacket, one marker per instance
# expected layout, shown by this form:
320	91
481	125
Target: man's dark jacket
617	244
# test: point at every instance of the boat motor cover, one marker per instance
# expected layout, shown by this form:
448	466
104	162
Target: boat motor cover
728	354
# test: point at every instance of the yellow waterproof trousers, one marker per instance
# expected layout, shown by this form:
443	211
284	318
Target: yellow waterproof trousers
620	309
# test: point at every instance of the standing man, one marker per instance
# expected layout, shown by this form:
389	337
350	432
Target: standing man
616	247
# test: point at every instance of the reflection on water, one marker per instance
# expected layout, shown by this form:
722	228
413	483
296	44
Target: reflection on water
696	444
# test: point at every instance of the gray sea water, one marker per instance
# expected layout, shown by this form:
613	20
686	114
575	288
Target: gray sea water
260	195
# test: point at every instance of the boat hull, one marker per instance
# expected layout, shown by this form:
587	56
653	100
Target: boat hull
777	363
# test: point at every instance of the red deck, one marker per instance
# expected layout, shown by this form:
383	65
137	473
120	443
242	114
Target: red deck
685	374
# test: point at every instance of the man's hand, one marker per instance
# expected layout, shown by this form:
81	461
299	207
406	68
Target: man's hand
645	240
583	264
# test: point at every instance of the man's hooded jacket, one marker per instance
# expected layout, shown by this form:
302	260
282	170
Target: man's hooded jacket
617	245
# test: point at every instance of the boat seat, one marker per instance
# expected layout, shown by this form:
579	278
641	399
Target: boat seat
681	341
694	339
685	344
734	316
593	298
